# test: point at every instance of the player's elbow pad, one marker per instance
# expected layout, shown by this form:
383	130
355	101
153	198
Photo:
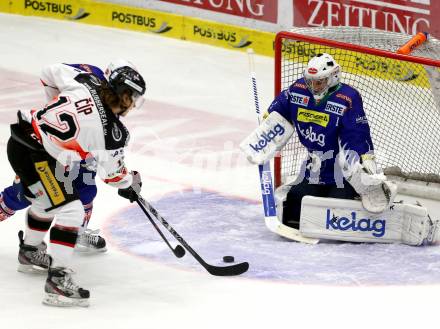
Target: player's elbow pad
269	137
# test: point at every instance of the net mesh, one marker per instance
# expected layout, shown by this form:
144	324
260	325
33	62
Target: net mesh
398	99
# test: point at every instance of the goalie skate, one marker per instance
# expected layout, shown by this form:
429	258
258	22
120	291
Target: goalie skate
32	259
90	241
62	291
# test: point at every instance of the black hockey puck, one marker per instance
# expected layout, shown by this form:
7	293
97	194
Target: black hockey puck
179	251
228	259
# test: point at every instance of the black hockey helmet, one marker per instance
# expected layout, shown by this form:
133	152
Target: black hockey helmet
122	76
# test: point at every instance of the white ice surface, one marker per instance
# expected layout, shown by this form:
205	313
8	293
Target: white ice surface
198	109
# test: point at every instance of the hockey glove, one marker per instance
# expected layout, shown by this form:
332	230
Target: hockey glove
132	192
377	193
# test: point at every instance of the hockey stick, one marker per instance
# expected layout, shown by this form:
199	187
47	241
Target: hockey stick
270	213
231	270
179	252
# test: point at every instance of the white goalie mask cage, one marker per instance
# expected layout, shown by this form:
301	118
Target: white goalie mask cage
322	73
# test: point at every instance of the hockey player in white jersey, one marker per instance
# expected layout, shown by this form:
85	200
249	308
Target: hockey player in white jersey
82	123
12	198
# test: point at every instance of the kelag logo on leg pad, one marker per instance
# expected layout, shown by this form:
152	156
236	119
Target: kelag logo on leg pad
377	226
266	138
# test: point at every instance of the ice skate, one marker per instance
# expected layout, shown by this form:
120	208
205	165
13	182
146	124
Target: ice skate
90	241
62	291
32	259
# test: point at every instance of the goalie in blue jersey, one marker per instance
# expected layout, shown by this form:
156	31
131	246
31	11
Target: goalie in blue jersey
331	124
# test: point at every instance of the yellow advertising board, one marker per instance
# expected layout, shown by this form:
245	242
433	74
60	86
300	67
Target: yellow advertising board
145	20
359	63
207	32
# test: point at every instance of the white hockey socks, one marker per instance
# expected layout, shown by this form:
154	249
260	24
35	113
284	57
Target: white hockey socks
61	255
36	228
64	234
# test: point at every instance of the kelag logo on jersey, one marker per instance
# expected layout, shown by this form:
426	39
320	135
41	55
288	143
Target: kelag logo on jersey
376	226
266	138
299	99
313	117
335	108
312	136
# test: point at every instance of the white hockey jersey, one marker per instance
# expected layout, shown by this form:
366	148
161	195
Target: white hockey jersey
77	126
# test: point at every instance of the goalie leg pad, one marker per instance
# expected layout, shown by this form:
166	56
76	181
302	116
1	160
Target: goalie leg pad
347	220
269	137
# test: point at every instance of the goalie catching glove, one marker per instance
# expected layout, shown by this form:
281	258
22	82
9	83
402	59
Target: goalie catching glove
269	137
376	192
132	192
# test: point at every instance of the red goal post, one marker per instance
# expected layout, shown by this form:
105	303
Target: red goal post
400	93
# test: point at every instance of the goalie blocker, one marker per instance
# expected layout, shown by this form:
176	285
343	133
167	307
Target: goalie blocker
268	138
347	220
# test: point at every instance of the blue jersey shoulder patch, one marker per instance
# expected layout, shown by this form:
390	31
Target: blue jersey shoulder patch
299	99
335	108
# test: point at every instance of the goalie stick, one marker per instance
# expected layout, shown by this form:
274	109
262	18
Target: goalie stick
231	270
270	213
179	252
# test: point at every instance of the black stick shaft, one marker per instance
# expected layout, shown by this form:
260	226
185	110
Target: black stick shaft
178	251
236	269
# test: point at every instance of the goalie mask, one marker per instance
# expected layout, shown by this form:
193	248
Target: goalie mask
123	76
321	74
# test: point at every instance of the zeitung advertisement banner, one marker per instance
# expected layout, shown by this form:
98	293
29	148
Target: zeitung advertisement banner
237	24
404	16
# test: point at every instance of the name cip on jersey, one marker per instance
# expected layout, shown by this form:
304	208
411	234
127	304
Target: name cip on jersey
338	119
77	126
